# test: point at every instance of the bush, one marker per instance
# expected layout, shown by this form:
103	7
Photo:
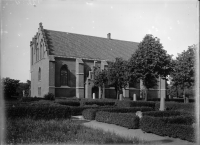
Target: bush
127	120
99	102
78	110
127	109
68	103
38	112
162	113
91	113
188	107
162	127
125	103
178	100
30	99
49	96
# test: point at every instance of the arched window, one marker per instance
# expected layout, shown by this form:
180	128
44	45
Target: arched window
39	74
64	75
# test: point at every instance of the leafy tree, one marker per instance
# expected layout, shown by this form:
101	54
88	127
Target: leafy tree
183	69
100	78
118	75
24	87
149	62
10	87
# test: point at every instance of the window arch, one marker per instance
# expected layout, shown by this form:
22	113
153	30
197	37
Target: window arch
39	74
64	75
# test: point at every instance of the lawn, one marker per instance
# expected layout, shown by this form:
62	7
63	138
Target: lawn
29	131
26	130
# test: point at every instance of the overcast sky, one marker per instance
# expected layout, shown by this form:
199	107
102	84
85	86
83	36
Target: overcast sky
174	22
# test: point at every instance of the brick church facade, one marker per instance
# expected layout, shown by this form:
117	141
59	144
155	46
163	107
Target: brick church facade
62	64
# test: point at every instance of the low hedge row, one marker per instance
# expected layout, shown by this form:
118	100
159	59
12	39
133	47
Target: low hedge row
68	103
189	107
180	100
158	126
91	113
126	103
128	120
38	112
99	102
161	113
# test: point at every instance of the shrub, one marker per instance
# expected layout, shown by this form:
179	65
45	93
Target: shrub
68	103
125	103
78	110
160	126
99	102
162	113
127	109
178	100
91	113
39	112
189	107
30	99
49	96
127	120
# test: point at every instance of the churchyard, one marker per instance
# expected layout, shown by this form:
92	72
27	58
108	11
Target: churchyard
39	120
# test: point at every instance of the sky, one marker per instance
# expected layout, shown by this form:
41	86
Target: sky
175	23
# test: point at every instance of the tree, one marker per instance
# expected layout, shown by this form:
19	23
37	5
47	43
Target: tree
118	75
100	78
24	87
149	62
10	87
183	69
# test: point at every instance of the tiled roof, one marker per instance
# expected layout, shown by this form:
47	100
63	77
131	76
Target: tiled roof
88	47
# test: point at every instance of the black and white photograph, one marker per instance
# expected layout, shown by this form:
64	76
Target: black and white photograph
99	72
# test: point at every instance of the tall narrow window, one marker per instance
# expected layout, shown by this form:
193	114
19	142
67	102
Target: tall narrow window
64	75
39	75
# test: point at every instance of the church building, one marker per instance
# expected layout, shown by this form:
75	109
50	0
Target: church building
62	64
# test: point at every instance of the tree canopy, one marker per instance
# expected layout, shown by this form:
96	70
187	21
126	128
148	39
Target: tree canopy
149	62
184	69
118	74
10	87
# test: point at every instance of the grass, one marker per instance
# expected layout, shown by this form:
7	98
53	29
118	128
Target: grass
28	131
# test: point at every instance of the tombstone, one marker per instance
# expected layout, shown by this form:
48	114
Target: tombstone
120	97
134	97
93	95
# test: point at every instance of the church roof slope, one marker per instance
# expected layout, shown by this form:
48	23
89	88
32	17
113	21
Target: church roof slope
88	47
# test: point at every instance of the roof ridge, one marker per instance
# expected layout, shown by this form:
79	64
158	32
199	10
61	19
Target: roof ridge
91	36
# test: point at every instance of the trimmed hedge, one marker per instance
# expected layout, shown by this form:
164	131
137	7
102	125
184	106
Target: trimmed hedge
161	113
91	113
38	112
179	100
128	120
162	127
125	103
189	107
99	102
68	103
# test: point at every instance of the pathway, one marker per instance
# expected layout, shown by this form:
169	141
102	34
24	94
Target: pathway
124	132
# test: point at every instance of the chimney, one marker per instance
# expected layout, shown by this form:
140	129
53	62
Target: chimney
109	36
